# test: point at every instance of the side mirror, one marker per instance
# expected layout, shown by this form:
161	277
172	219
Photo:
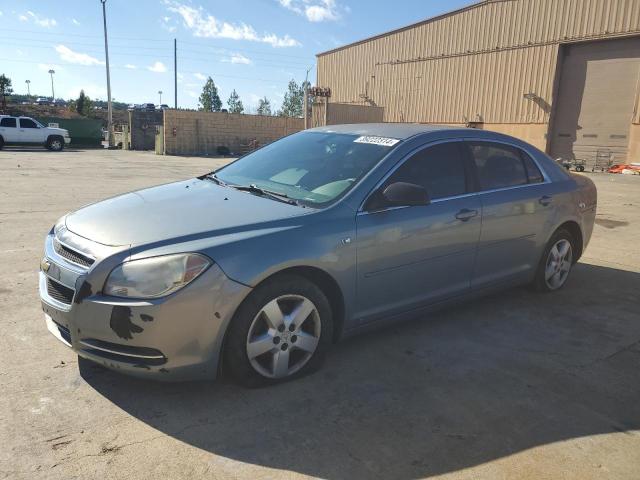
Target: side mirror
398	194
405	194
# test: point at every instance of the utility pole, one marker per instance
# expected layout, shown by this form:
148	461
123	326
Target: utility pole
305	100
106	56
160	93
53	93
28	87
175	73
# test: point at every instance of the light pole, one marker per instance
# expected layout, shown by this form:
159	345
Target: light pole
160	93
28	87
53	93
106	56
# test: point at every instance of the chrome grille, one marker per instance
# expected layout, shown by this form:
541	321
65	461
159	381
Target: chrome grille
72	255
59	292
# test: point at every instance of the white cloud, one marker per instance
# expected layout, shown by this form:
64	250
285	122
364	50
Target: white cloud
238	58
130	66
75	22
38	20
315	10
192	94
0	13
200	76
205	25
70	56
157	67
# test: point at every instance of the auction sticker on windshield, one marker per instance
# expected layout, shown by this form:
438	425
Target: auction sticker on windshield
385	142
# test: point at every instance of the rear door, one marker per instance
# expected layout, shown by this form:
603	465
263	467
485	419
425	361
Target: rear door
413	256
9	129
517	202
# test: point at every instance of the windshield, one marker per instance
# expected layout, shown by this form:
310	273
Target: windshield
314	168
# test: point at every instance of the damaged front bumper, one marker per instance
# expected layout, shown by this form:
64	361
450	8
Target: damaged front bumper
178	337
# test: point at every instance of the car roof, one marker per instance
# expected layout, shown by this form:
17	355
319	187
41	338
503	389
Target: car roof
400	131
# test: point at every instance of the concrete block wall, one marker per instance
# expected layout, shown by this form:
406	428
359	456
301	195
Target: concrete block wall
200	133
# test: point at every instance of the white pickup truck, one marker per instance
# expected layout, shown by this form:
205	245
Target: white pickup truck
27	131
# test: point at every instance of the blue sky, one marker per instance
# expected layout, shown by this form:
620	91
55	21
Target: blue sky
254	46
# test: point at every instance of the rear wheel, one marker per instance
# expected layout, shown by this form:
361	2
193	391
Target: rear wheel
556	263
55	144
281	331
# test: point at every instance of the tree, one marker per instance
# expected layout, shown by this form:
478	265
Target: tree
5	89
293	99
234	103
209	98
264	107
83	104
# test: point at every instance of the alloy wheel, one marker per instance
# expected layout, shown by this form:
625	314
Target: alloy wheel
558	264
283	336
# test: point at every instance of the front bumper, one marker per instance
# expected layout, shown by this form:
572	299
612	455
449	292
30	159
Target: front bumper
178	337
67	140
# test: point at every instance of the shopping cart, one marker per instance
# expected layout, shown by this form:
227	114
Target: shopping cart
603	161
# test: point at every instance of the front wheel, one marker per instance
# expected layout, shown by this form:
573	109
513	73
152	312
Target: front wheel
556	262
55	144
281	331
1	143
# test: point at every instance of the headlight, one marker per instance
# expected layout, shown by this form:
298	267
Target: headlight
156	276
60	224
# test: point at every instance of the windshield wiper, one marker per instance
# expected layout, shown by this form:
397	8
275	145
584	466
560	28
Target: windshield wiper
213	176
281	197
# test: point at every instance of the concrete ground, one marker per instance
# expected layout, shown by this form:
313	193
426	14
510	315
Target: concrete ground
519	385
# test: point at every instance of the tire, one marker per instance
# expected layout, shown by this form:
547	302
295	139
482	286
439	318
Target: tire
1	143
260	349
556	262
55	144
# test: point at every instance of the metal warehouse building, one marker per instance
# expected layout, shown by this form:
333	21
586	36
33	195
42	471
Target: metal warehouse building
561	74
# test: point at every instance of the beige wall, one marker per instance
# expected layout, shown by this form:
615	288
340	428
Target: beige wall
634	144
473	64
340	113
200	133
535	134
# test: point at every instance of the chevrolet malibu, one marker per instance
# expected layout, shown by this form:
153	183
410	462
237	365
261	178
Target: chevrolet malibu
257	268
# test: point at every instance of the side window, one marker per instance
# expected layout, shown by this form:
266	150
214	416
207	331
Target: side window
8	122
498	165
27	123
439	169
533	172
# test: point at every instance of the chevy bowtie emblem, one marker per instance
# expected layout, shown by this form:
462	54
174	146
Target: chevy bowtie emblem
45	265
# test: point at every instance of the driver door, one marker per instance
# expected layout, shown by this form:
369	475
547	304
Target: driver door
413	256
30	132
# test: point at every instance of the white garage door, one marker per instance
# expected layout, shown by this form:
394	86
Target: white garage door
596	100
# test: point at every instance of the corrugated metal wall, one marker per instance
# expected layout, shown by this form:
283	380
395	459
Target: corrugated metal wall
341	113
475	64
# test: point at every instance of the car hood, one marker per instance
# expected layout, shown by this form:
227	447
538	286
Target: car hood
59	131
175	210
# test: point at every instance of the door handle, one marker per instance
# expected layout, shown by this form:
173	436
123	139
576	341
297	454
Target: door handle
466	214
545	200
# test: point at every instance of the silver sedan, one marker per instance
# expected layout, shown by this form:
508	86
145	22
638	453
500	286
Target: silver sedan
257	268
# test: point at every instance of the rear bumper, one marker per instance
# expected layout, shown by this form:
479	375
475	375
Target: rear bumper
178	337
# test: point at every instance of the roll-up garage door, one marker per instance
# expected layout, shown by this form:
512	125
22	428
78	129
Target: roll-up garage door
596	102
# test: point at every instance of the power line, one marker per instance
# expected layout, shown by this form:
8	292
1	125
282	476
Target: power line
125	68
138	39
